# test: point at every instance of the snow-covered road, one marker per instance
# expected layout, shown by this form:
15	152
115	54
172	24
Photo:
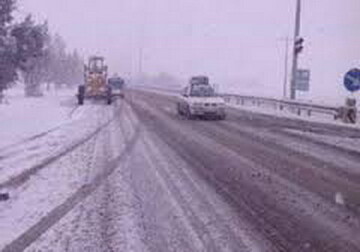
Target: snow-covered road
136	177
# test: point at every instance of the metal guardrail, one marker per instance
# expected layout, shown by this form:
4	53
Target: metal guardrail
296	107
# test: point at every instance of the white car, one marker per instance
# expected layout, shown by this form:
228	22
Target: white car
201	101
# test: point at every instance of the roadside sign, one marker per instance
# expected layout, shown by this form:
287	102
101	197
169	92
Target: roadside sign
352	80
302	80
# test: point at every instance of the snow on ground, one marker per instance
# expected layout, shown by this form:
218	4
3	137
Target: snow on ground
22	117
32	201
137	208
20	157
151	190
106	218
306	147
46	130
48	189
346	143
54	125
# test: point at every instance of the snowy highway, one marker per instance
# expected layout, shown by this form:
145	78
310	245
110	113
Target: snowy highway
135	176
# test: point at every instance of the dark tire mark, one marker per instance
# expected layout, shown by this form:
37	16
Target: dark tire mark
26	140
25	176
73	111
34	232
18	180
34	137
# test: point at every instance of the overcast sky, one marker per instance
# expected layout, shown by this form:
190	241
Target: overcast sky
238	43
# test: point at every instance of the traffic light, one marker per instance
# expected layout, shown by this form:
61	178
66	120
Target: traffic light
299	45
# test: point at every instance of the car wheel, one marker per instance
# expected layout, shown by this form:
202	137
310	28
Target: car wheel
81	95
179	109
109	96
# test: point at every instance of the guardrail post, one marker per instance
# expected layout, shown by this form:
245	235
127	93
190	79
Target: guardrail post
299	111
348	112
309	112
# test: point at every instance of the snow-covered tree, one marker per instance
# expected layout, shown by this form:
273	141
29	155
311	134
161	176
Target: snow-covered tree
31	53
7	46
64	68
26	48
22	46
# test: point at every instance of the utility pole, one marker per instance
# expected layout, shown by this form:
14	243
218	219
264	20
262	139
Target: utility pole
295	51
286	67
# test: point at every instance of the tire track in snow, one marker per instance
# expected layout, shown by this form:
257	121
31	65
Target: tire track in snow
6	152
24	176
26	140
34	232
211	228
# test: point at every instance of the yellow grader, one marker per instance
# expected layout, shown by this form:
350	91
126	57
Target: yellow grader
95	81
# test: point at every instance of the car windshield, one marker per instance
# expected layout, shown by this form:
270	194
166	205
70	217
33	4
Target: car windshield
202	91
199	80
96	65
116	83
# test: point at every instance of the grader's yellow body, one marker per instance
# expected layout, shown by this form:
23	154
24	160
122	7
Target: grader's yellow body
95	81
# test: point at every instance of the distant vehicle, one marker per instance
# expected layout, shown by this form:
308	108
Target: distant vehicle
198	80
198	99
95	79
117	85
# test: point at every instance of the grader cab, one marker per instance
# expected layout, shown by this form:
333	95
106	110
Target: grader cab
95	82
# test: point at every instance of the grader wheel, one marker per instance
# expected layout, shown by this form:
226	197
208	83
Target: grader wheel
81	95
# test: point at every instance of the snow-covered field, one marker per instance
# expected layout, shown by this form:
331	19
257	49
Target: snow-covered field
22	117
43	164
37	130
